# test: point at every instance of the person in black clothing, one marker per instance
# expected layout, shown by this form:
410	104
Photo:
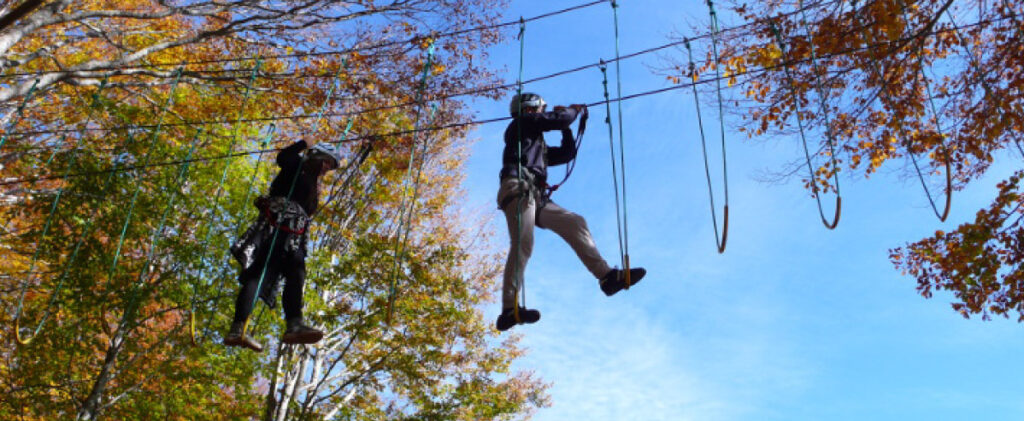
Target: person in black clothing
521	197
275	246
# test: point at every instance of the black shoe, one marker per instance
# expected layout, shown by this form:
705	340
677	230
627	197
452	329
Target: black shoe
236	337
507	319
615	280
298	333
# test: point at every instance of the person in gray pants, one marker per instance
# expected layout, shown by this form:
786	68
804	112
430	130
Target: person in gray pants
521	197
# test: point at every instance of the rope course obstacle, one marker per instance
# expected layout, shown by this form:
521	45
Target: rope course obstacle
412	178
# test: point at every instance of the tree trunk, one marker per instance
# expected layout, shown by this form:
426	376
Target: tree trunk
91	405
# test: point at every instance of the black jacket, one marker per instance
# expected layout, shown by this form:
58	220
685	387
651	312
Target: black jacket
536	154
305	191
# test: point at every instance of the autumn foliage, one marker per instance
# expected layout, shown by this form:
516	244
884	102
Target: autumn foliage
148	129
928	84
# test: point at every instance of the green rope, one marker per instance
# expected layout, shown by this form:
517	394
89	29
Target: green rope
227	166
239	221
876	70
611	148
182	177
622	149
49	218
138	184
520	277
719	242
19	112
406	222
803	138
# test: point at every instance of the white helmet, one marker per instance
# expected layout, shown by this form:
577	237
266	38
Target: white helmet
525	100
325	150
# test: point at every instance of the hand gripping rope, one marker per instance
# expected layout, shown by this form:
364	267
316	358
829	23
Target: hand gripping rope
405	218
803	136
46	228
876	70
572	164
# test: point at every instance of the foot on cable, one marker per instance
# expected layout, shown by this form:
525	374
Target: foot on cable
507	319
298	332
236	337
615	280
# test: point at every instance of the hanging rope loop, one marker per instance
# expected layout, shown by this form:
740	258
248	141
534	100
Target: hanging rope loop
803	138
720	240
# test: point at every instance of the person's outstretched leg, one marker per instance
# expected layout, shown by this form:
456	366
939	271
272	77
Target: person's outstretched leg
573	229
519	208
296	332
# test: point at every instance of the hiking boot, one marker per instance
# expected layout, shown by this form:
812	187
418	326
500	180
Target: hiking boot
236	337
615	280
298	332
507	319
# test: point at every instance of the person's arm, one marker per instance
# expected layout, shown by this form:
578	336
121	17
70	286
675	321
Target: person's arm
558	119
564	152
289	156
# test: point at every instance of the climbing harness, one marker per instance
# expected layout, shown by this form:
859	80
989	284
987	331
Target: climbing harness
803	136
46	227
875	67
405	218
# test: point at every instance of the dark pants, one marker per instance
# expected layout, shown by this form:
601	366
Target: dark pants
294	271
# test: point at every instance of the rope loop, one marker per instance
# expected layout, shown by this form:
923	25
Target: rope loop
803	137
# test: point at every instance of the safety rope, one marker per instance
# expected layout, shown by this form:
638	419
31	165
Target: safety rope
180	180
220	185
622	149
876	70
405	218
138	184
42	235
238	223
520	278
571	165
719	241
803	137
19	112
611	149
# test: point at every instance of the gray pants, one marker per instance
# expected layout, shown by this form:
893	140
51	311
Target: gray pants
570	226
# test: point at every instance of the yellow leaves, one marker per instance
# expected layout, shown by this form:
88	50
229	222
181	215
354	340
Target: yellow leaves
438	68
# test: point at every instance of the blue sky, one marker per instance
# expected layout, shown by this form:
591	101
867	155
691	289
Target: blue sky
793	322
